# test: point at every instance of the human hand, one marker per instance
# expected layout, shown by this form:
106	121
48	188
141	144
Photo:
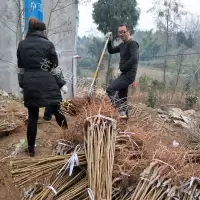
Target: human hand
64	89
109	35
119	72
134	84
21	90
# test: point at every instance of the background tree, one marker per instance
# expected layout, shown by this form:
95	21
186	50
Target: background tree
108	14
95	47
191	27
180	38
191	24
179	65
149	46
189	43
168	14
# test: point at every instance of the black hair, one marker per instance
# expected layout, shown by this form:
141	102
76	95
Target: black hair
128	27
35	25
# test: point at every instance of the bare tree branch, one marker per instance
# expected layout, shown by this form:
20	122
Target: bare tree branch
51	12
7	26
9	63
62	31
60	26
64	7
18	5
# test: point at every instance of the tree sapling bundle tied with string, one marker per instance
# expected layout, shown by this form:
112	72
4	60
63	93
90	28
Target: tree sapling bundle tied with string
100	138
26	171
69	107
65	186
7	126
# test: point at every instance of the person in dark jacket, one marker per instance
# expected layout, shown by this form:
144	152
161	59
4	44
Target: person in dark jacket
36	55
129	55
62	85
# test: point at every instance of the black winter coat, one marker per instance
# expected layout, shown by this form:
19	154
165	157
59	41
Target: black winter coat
39	85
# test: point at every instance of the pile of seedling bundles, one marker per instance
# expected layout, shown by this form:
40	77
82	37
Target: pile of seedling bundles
93	170
84	174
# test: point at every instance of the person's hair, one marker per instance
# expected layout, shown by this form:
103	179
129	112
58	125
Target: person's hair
35	25
129	28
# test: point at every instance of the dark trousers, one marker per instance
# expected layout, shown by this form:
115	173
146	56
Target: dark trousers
33	114
48	113
118	91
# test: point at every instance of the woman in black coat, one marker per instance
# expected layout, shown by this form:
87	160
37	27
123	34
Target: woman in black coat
36	55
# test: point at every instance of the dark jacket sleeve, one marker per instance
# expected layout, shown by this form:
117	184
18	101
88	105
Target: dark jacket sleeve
54	62
53	56
111	49
19	60
133	61
20	65
60	78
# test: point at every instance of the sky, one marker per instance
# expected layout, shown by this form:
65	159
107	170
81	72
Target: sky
146	21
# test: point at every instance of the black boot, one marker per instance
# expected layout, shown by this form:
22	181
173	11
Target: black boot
31	146
48	114
30	151
61	120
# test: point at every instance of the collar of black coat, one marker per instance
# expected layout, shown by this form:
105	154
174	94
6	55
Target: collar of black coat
38	34
127	41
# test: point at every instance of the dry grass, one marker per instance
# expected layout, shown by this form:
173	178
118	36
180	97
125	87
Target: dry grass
87	109
155	73
150	72
177	99
134	152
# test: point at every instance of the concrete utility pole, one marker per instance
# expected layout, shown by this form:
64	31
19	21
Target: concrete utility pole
74	71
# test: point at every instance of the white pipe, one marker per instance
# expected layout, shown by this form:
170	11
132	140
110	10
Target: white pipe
74	71
74	64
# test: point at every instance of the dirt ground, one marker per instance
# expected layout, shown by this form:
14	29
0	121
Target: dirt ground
49	132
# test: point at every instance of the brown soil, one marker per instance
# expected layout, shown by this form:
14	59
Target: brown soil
48	132
157	144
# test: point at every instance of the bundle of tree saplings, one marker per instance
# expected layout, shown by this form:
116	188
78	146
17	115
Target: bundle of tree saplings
129	145
191	189
29	170
32	190
118	194
7	126
100	138
192	156
64	186
128	164
69	107
155	184
63	147
76	192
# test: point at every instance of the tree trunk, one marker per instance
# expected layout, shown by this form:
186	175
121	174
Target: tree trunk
166	50
179	71
196	80
196	75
